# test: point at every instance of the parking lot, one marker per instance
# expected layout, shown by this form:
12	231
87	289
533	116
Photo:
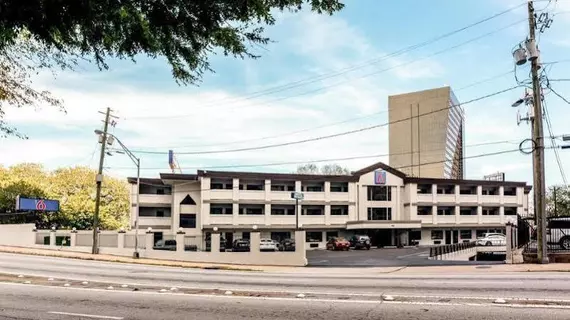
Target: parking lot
381	258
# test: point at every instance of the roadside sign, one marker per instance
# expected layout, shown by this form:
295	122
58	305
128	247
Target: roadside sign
30	204
297	195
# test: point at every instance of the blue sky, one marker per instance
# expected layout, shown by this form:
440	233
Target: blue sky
156	114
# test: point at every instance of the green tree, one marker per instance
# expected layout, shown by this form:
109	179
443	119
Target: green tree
328	169
48	34
558	201
75	188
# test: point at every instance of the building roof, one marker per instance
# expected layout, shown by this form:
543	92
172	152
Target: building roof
379	165
277	176
133	180
353	177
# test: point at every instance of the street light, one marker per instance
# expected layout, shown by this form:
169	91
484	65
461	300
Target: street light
137	162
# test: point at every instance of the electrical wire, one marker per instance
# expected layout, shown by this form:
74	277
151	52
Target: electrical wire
324	76
481	155
553	143
352	79
331	135
559	95
321	160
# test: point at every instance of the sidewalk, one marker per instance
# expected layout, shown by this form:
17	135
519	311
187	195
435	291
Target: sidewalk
430	270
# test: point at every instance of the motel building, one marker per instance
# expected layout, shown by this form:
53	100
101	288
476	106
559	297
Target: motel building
379	201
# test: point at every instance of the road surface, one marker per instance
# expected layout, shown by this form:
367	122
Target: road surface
354	294
30	302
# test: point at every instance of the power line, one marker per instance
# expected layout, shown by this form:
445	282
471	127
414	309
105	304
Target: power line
553	143
364	64
312	128
559	96
482	155
321	160
331	135
358	77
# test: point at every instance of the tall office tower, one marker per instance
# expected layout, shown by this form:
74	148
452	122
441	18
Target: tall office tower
427	134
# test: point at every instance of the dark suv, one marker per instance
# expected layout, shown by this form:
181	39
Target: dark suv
360	242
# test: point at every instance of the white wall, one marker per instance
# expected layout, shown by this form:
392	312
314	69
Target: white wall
19	235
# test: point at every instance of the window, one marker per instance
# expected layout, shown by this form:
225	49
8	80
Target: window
188	221
252	209
424	188
282	210
559	224
490	211
160	191
221	184
424	211
510	211
283	187
332	234
379	213
280	235
468	190
246	235
313	210
490	191
314	236
313	187
339	210
252	185
510	191
468	211
437	234
154	212
465	234
154	189
339	186
217	208
445	189
379	193
445	211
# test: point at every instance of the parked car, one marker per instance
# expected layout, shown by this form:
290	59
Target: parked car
170	245
558	232
338	244
287	245
360	242
267	245
492	239
241	245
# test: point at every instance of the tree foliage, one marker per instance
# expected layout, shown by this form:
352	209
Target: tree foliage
46	34
558	201
74	188
328	169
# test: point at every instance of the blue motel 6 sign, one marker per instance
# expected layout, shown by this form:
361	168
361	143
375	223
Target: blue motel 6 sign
380	177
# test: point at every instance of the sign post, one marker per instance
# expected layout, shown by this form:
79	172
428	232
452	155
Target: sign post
297	196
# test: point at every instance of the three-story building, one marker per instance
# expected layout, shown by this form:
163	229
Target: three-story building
380	201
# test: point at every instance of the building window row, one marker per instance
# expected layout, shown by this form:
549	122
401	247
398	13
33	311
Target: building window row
379	214
277	210
259	185
465	190
465	211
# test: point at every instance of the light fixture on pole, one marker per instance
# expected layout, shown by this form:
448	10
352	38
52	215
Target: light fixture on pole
110	139
297	196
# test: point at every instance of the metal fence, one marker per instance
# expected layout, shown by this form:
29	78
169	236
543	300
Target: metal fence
439	251
557	237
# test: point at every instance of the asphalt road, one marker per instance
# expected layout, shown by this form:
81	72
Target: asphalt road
382	258
41	303
522	285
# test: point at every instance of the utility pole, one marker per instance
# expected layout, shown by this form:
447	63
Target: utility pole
555	207
99	180
538	144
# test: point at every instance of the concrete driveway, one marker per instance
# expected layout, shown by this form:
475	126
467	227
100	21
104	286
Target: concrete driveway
402	257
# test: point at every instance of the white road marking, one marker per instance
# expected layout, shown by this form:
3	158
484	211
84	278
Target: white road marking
473	304
93	316
423	254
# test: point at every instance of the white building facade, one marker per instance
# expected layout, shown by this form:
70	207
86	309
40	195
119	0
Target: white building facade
379	201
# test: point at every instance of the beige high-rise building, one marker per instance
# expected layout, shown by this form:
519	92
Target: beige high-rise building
427	134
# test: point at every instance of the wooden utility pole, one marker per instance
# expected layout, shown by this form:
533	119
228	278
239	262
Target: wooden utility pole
99	180
538	145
